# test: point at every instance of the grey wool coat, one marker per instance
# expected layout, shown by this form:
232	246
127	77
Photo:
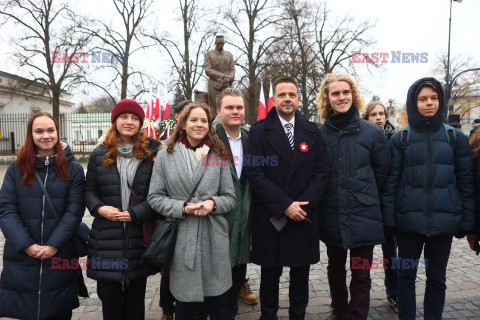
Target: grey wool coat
201	261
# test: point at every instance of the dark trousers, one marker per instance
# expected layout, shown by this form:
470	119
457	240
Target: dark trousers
436	251
167	300
216	306
127	304
238	278
65	316
359	285
389	249
298	292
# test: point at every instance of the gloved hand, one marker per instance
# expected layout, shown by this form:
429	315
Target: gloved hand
461	234
389	231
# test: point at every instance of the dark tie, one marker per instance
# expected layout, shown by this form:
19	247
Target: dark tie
289	127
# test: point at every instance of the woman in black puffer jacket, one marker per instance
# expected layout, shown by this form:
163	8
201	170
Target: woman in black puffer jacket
40	263
115	246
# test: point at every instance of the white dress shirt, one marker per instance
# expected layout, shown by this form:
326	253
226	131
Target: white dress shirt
237	152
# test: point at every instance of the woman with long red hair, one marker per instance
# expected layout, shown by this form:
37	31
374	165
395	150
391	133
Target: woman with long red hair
33	283
118	178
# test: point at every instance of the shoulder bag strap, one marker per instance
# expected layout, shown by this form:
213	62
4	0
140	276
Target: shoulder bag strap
45	192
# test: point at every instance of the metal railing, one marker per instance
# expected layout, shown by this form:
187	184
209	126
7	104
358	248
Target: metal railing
80	130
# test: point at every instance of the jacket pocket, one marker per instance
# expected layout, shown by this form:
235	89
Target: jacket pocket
366	200
456	200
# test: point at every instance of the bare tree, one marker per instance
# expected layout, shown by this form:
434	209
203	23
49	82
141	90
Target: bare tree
335	42
465	89
293	54
50	45
186	65
311	46
252	39
117	46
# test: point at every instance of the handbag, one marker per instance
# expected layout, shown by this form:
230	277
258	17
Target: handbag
164	238
147	226
80	239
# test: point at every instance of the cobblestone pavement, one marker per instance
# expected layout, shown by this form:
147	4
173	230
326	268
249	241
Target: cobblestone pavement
462	301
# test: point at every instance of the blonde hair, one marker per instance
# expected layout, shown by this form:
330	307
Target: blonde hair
323	103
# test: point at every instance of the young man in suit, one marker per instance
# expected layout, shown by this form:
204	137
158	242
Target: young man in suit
288	173
231	110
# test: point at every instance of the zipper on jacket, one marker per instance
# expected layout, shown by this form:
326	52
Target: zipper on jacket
41	241
429	180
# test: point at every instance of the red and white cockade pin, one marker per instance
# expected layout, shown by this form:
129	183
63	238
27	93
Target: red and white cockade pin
303	147
153	158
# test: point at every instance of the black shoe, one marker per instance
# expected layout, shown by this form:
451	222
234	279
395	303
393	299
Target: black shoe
393	302
334	317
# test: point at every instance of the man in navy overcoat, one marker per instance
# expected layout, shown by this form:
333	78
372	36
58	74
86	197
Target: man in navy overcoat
288	172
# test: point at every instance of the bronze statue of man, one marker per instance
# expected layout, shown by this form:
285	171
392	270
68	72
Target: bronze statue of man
220	69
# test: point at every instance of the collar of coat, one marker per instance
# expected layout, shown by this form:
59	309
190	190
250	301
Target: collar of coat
222	135
304	132
352	126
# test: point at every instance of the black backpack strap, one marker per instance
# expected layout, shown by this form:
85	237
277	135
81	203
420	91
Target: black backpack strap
403	140
45	192
451	138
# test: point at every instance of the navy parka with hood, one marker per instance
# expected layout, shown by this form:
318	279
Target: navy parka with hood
430	187
350	213
31	288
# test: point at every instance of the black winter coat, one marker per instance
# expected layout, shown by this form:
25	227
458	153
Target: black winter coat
30	288
430	189
350	213
278	176
115	248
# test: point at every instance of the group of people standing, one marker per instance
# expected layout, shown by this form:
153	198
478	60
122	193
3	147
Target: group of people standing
267	196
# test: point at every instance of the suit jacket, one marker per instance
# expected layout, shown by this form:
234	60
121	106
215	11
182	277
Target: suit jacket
278	176
239	219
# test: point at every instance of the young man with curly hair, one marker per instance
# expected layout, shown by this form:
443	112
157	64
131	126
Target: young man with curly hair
350	216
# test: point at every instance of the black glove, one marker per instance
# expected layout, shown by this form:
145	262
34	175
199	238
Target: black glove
389	232
461	234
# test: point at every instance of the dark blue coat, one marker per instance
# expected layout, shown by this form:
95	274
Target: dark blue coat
350	213
22	224
280	177
430	188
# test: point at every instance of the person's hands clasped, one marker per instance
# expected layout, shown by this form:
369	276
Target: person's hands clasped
46	252
295	212
124	216
40	252
200	209
110	213
33	250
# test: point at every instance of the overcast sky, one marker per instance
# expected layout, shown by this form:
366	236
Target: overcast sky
409	26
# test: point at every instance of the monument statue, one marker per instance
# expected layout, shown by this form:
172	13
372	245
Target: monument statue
220	69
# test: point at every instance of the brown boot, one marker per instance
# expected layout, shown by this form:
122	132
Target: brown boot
247	295
167	316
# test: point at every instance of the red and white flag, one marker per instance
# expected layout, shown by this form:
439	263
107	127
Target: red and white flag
270	98
149	114
166	112
262	110
157	110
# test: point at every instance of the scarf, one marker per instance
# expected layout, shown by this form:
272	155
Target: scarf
127	166
341	120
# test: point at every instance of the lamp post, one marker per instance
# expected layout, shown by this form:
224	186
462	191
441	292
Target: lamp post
447	80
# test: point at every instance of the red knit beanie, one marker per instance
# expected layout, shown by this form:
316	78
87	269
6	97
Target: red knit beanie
128	106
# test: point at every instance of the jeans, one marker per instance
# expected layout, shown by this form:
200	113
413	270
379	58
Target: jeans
436	253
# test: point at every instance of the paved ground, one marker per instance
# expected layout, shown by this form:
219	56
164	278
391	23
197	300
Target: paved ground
463	288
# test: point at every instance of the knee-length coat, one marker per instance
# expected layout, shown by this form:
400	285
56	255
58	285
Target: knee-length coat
201	261
278	176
